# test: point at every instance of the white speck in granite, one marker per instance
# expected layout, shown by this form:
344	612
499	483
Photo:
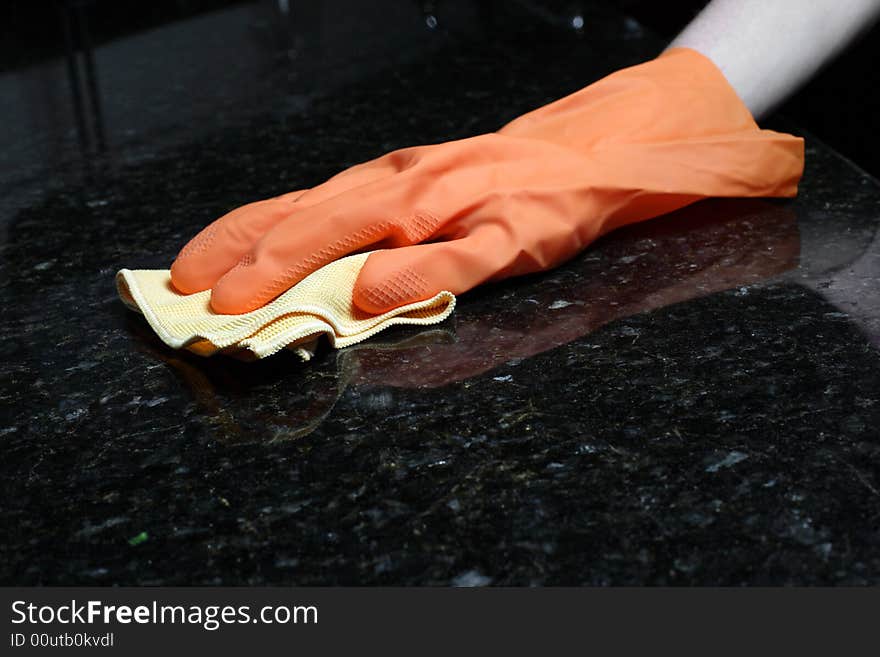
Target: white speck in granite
471	578
730	460
75	414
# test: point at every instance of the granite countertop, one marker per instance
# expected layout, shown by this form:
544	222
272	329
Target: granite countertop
693	400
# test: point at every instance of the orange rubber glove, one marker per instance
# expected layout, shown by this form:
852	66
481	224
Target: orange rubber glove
641	142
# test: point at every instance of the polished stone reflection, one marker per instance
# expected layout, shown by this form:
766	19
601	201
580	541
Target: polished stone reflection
708	247
712	246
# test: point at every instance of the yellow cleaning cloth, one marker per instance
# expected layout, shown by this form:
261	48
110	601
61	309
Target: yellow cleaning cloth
320	304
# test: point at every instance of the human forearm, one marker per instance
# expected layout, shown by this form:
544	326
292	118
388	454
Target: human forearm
768	48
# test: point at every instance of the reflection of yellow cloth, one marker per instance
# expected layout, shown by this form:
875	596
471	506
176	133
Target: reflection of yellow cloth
318	305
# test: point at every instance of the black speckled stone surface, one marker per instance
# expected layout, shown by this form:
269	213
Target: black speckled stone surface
694	400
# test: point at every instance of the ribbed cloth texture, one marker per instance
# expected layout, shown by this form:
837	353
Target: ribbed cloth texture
320	304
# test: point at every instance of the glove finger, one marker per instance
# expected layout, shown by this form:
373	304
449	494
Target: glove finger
221	244
396	277
432	185
318	235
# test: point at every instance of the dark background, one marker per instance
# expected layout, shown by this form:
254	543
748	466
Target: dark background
838	105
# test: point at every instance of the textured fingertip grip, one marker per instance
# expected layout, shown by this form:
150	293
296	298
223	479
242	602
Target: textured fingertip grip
186	273
377	293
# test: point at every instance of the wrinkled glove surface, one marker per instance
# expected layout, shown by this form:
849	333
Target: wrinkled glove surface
639	143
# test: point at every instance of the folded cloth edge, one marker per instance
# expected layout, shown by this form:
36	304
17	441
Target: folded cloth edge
243	331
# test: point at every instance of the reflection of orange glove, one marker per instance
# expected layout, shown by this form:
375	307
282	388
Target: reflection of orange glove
723	243
639	143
